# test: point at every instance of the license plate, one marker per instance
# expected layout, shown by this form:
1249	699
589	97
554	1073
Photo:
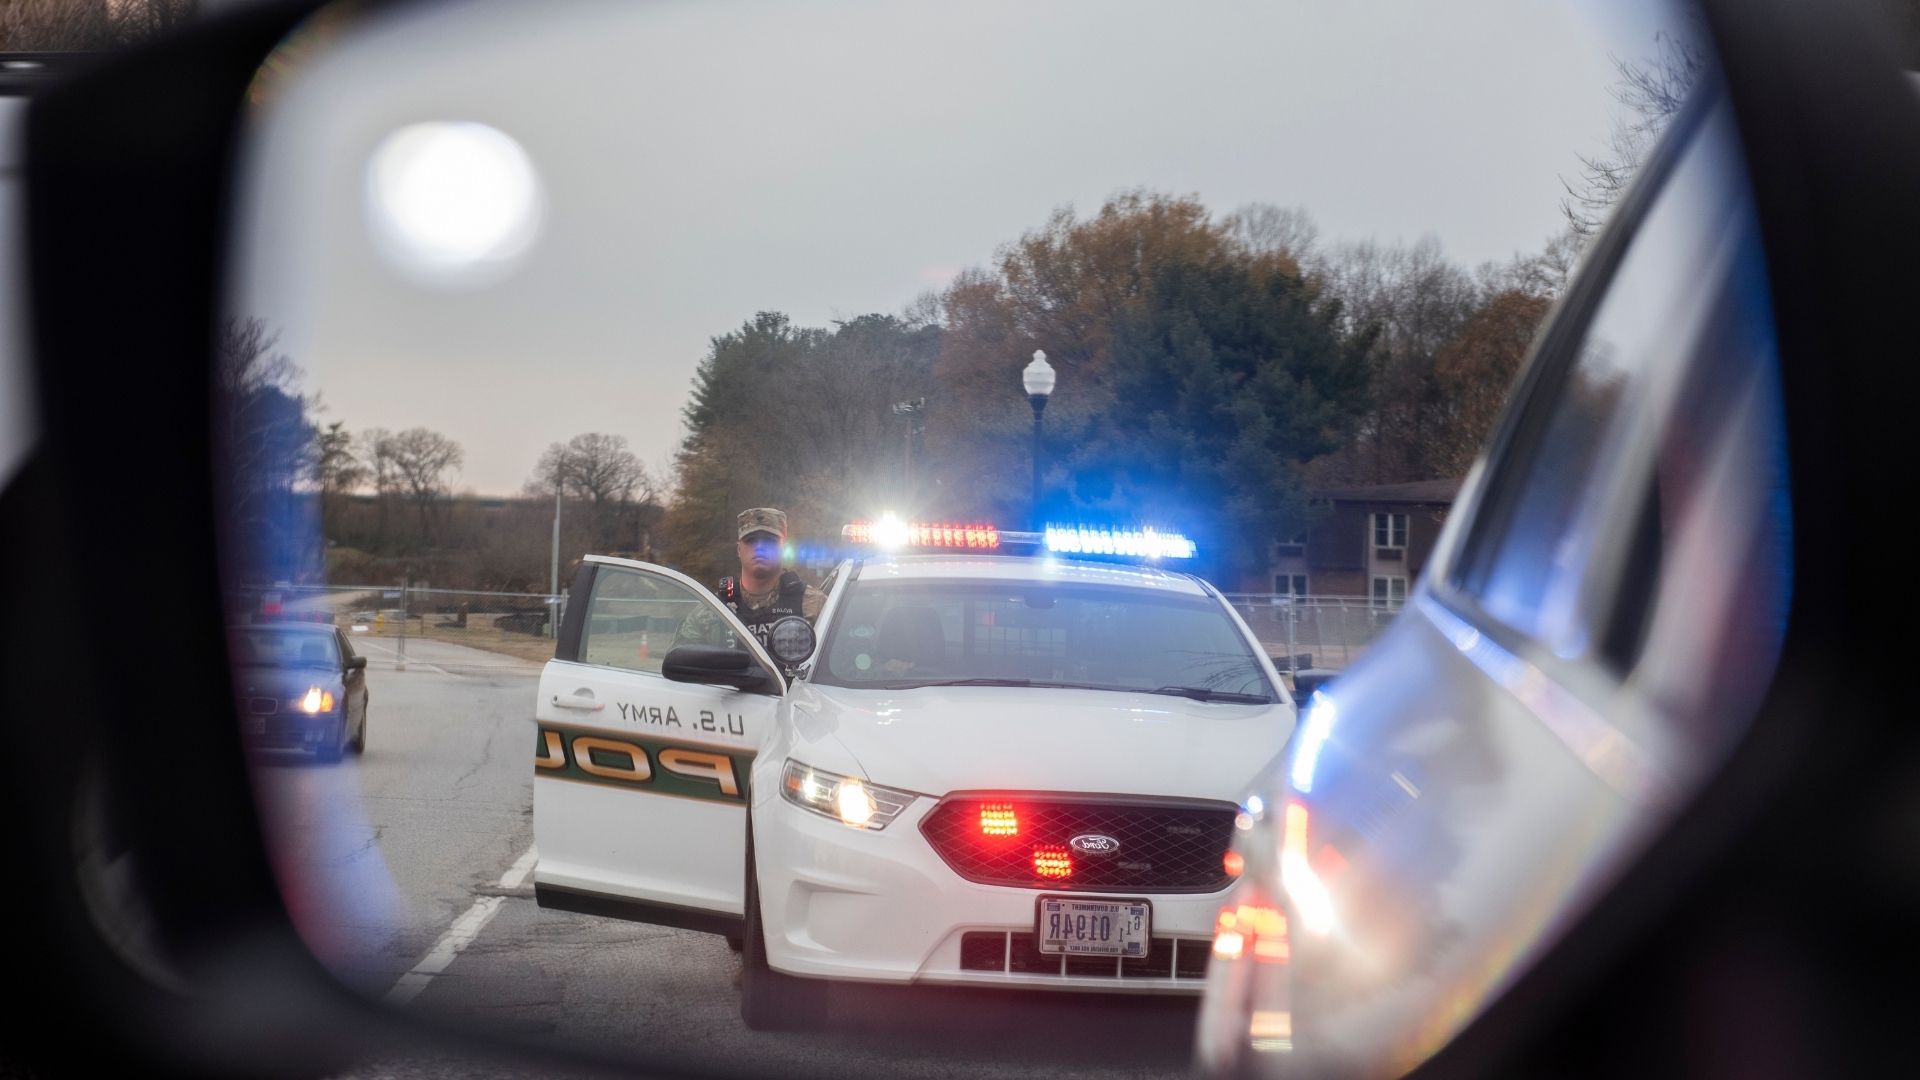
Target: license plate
254	725
1094	927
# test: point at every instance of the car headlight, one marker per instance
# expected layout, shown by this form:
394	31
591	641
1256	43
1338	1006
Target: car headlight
316	701
846	799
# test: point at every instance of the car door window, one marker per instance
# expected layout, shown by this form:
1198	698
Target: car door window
634	620
1527	559
1646	525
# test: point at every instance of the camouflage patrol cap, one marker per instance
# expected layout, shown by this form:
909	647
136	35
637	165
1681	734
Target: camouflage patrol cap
763	519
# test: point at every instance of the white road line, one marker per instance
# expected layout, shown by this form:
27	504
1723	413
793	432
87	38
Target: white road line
460	935
517	873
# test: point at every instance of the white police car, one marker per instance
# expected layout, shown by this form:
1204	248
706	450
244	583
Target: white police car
996	769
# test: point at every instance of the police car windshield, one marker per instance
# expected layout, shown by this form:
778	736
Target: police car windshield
284	648
900	635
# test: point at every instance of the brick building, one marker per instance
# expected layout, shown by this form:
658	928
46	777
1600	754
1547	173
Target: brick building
1373	542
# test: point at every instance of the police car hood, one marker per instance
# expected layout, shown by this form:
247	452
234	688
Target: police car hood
934	740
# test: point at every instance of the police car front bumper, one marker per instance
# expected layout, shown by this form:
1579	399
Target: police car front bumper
882	906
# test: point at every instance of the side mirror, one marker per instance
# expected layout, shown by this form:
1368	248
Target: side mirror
713	666
1307	680
355	663
791	640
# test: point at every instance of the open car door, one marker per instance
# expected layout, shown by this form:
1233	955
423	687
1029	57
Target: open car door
640	781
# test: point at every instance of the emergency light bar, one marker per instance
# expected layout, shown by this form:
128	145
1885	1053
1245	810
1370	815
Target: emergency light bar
890	533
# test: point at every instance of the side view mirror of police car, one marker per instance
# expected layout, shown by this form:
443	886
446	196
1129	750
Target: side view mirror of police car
1307	680
791	640
714	665
355	663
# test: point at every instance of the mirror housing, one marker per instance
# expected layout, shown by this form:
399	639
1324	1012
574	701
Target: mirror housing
1308	680
356	663
714	665
792	641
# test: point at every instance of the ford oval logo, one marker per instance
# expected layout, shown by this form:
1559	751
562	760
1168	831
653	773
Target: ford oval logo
1095	844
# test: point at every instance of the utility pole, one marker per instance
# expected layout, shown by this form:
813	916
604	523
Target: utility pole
400	663
1037	380
553	576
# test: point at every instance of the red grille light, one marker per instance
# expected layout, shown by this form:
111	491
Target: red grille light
999	819
1052	861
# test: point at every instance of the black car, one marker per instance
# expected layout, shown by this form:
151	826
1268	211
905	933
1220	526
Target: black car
299	687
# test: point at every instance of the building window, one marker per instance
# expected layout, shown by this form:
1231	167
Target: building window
1293	548
1389	592
1290	584
1389	530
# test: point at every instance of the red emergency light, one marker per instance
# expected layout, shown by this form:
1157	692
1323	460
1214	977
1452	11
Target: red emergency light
893	533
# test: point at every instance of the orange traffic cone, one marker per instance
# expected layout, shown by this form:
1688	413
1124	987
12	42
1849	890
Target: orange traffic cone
643	644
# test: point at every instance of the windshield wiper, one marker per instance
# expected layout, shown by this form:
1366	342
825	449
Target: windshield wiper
908	684
1201	693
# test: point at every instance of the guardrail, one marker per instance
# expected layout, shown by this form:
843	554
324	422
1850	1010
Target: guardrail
516	623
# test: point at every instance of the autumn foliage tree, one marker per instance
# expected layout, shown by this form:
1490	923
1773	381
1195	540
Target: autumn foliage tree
1476	371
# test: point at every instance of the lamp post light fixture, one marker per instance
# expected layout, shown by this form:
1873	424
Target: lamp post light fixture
1037	379
916	413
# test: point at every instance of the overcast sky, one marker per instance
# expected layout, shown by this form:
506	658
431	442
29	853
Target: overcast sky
701	162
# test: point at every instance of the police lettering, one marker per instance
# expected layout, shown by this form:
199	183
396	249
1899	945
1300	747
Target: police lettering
605	758
645	714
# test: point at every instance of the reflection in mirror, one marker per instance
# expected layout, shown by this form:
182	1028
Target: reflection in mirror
516	285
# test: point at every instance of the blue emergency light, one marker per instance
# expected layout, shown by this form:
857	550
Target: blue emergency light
1143	543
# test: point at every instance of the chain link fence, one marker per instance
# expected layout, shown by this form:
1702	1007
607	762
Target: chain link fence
1302	632
515	624
1299	632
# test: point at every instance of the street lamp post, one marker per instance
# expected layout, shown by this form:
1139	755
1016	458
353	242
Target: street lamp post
915	412
1037	379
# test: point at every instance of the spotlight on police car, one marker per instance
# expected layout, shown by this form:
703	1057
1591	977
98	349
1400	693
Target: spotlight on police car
791	640
890	533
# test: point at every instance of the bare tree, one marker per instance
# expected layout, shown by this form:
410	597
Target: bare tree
1652	91
602	472
420	461
1266	229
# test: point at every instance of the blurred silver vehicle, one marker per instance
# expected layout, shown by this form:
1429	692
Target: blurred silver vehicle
1590	685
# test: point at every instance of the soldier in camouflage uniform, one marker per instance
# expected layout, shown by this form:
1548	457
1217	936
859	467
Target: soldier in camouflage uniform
763	594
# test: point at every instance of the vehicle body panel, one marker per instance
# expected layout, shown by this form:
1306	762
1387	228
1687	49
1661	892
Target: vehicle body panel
640	785
882	905
1461	796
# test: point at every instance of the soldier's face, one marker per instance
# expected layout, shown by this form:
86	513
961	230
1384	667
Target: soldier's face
759	551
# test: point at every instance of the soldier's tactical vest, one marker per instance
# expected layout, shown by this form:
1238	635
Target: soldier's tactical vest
789	599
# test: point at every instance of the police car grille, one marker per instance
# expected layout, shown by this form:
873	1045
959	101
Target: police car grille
1162	846
1015	953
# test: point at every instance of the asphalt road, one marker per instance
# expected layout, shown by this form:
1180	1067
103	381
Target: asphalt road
383	858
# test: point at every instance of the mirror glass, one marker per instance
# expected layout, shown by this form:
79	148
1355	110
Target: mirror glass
516	284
